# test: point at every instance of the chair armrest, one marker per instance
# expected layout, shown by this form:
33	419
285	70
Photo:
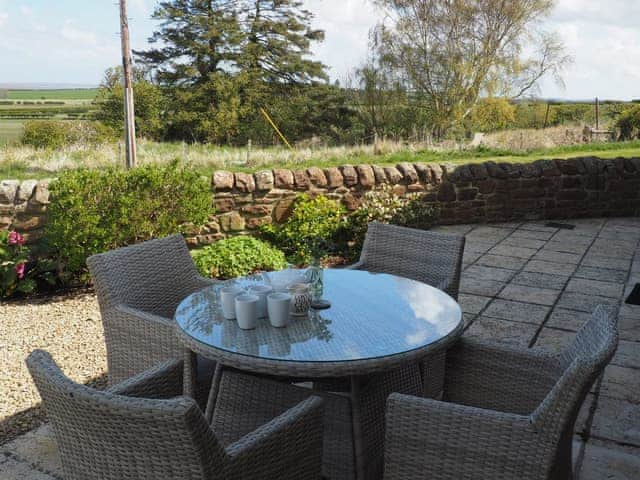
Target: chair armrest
359	265
137	341
289	446
427	438
499	377
204	282
161	381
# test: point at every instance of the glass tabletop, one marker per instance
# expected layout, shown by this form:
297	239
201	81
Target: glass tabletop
372	315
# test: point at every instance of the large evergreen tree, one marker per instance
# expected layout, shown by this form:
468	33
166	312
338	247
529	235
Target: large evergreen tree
196	39
278	40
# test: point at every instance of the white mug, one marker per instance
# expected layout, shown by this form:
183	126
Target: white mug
261	291
228	300
247	311
279	305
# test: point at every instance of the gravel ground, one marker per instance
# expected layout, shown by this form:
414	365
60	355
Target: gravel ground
69	328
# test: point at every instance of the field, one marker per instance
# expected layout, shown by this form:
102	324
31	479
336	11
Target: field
24	162
63	94
19	106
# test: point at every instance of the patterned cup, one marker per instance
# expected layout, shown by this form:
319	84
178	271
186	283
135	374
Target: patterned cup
300	299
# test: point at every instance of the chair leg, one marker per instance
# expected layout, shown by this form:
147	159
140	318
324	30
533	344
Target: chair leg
213	393
190	373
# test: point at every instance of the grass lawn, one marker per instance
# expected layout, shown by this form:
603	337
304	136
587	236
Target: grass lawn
25	162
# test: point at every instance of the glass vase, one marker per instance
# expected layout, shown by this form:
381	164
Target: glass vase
315	275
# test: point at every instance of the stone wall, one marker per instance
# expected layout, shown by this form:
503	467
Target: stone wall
23	206
475	192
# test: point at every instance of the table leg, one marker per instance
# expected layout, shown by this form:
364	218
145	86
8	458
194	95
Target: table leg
213	392
190	373
356	424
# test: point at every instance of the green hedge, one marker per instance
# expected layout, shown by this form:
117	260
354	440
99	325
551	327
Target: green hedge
93	211
60	133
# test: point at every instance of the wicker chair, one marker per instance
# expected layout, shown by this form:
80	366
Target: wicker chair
513	416
142	430
139	288
428	257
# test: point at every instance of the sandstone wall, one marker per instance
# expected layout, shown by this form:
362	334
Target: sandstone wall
476	192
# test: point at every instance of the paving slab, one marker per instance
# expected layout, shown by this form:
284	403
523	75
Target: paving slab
629	327
38	448
499	261
608	461
486	288
565	236
541	280
606	262
583	302
475	246
596	287
503	331
472	303
553	340
482	272
557	257
566	247
523	242
617	420
13	469
509	251
621	383
627	355
570	320
541	266
521	293
534	234
601	274
517	311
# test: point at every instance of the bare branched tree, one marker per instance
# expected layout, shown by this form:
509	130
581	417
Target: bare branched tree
452	52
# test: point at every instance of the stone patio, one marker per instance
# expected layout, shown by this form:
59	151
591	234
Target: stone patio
529	285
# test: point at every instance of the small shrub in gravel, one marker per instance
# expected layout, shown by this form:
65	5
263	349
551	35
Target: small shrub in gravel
238	256
13	263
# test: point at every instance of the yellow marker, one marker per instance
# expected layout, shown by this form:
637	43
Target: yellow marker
266	115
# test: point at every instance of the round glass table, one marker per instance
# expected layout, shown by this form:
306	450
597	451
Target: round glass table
368	344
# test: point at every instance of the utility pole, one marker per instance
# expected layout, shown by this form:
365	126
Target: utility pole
129	110
597	113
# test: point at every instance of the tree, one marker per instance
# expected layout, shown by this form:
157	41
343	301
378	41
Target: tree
196	38
150	104
453	52
278	41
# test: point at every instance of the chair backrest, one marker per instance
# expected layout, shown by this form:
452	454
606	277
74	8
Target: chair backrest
429	257
152	276
586	358
112	437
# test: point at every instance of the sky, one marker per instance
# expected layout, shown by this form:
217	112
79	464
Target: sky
74	41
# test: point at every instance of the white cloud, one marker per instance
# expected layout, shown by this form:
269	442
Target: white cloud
140	6
74	34
26	10
3	18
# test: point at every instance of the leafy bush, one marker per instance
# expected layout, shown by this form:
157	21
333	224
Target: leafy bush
13	263
238	256
311	228
60	133
97	210
491	114
628	123
385	206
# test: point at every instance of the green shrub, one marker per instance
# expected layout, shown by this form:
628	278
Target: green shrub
238	256
628	123
385	206
61	133
310	230
93	211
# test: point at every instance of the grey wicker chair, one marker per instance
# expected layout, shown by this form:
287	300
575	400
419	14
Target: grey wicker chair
428	257
141	430
139	288
513	416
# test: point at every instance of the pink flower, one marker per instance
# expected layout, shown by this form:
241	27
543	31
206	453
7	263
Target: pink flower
20	270
15	238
